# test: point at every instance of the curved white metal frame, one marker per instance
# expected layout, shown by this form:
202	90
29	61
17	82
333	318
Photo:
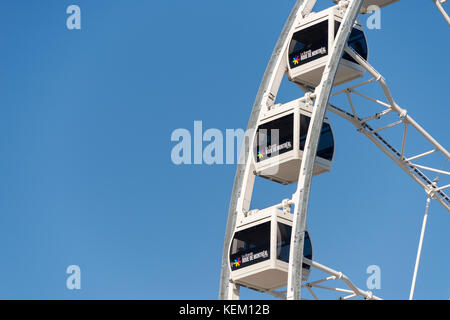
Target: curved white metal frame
301	196
245	178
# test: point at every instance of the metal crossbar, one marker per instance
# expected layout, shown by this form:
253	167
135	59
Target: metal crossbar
439	4
351	289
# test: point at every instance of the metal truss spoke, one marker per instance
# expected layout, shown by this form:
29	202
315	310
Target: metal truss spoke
312	293
381	103
333	289
388	126
412	169
430	169
391	152
421	155
335	275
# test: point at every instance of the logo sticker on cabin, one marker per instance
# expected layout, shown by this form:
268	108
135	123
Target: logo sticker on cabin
249	258
296	60
276	148
255	256
313	53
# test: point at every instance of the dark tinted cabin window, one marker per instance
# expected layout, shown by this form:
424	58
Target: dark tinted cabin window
284	244
275	137
309	44
357	41
325	149
250	246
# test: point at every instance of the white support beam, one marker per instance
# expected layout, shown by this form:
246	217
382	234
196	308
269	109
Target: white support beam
394	124
430	169
419	250
381	103
421	155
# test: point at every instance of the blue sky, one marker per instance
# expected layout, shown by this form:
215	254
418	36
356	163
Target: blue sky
86	176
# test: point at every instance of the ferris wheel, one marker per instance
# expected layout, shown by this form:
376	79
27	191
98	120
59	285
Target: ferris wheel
271	250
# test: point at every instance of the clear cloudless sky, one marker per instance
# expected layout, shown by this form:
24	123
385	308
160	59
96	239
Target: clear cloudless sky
86	176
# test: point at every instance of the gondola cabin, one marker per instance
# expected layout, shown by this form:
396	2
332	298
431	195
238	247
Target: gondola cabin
312	42
259	251
280	141
379	3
